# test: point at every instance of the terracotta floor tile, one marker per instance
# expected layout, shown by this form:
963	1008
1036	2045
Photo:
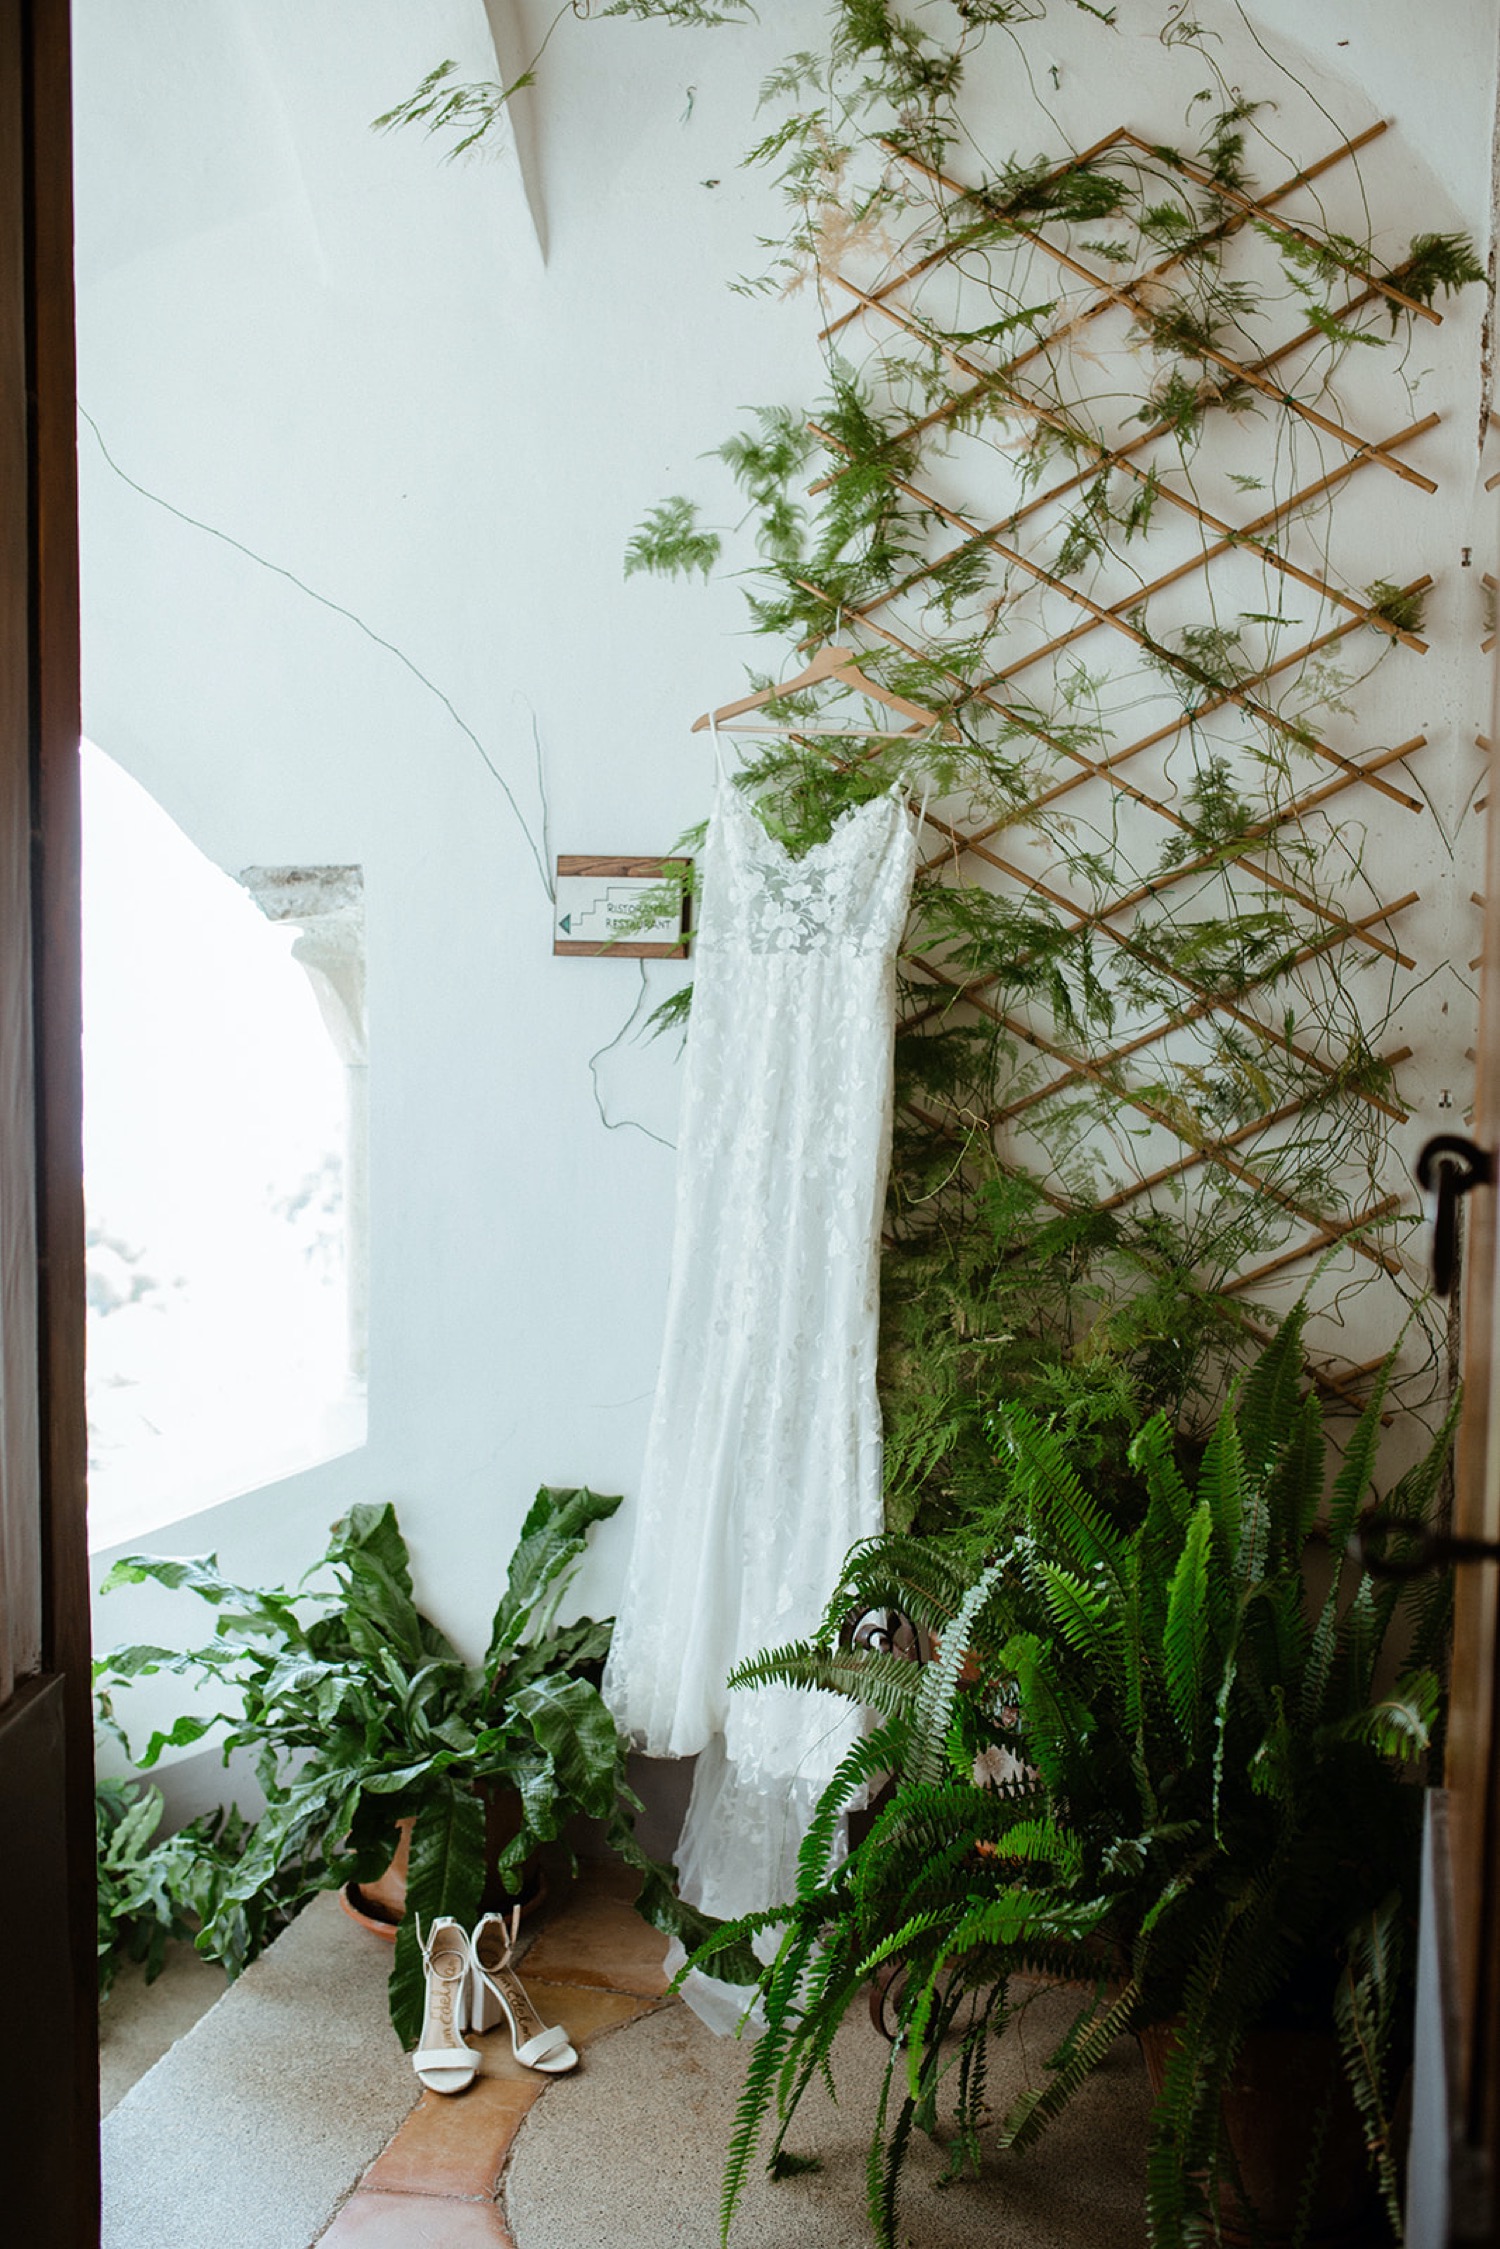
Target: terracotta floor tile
416	2221
595	1938
594	1965
455	2145
497	2059
584	2010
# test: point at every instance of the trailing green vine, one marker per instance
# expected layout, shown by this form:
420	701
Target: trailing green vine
1073	487
1148	974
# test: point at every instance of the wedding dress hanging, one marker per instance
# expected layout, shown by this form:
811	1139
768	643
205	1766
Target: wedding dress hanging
763	1459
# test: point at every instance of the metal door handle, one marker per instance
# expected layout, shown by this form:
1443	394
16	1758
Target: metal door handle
1426	1551
1447	1168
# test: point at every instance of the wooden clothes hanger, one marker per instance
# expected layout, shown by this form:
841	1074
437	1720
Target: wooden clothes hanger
829	663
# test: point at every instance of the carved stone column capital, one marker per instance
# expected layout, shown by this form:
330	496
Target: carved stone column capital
327	904
327	907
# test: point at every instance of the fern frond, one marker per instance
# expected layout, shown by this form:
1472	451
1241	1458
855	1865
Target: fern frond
1185	1638
1054	1721
1021	1916
1357	1468
1319	1667
915	1575
1364	2011
1041	1838
873	1753
1296	1482
1412	1500
1086	1617
1029	2116
886	1683
1045	1480
886	2160
1222	1486
1153	1452
1357	1646
1271	1393
779	1990
1400	1725
938	1687
670	542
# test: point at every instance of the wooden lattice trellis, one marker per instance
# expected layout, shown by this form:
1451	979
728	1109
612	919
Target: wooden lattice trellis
1235	726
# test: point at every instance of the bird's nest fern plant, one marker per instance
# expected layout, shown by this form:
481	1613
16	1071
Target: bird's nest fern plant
361	1712
1215	1827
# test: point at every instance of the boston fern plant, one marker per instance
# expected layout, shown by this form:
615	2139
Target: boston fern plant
1207	1819
363	1713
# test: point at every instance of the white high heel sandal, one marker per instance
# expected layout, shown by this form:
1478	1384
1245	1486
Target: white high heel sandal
495	1990
444	2060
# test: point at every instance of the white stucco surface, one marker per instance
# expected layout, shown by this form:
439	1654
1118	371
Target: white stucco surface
351	360
361	462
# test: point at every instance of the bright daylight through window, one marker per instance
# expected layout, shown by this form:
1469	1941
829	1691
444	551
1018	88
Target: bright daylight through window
222	1349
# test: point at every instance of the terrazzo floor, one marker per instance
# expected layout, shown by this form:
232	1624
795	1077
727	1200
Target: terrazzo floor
626	2153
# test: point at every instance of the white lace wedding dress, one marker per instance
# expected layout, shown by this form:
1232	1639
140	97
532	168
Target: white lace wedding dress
763	1460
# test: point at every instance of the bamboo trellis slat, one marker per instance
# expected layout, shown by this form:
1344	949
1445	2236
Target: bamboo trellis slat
1256	856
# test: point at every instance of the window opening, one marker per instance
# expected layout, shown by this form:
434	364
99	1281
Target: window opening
224	1157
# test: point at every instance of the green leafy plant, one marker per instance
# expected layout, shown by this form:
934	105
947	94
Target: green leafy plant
1209	1820
672	543
465	112
362	1713
155	1890
138	1917
1116	1018
1091	1319
1115	1001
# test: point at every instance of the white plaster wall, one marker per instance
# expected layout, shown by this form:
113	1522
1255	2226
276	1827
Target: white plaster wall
352	361
351	366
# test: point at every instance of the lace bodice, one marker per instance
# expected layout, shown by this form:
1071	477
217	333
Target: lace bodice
847	894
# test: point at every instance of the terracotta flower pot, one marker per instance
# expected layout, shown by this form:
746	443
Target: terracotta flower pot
1283	2083
381	1905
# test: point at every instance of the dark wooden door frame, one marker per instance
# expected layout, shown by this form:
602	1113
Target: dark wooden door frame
56	730
1454	2196
1468	1867
50	1715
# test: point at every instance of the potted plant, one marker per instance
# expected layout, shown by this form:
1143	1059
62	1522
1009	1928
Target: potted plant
1214	1832
155	1890
364	1716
